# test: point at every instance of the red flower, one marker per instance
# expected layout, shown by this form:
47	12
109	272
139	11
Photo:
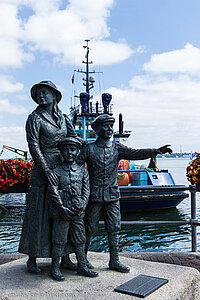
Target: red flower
13	171
193	170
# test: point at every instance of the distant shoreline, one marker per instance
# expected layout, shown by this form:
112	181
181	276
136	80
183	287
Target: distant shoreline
177	155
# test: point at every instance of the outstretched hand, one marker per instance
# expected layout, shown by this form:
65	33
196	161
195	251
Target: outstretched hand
164	149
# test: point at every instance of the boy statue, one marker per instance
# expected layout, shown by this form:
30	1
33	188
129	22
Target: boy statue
102	157
68	201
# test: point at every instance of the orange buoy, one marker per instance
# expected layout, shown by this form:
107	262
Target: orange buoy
122	179
124	165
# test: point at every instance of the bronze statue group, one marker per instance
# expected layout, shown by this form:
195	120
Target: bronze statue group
66	199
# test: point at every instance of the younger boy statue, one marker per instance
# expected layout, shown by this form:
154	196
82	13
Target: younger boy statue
68	201
102	157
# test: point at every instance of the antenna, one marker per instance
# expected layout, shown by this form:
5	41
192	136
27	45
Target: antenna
88	80
87	83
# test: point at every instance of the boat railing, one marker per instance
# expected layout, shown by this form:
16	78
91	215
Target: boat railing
91	108
193	221
145	177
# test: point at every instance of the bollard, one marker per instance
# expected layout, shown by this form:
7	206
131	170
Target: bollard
193	219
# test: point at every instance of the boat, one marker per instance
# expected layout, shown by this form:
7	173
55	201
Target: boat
149	188
156	190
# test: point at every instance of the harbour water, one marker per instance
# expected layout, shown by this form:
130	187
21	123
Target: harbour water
132	238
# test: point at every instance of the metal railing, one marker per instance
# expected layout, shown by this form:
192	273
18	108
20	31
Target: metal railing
193	221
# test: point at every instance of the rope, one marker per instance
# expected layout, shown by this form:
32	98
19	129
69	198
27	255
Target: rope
99	83
156	164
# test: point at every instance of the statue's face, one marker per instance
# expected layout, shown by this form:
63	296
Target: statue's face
45	96
69	153
105	130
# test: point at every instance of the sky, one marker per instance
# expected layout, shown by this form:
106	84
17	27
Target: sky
148	51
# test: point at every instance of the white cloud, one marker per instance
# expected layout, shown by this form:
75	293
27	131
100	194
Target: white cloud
7	107
140	49
57	31
6	85
107	52
62	32
186	60
12	53
23	97
163	108
13	136
91	9
42	7
158	116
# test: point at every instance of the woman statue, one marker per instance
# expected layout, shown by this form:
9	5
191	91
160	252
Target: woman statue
45	127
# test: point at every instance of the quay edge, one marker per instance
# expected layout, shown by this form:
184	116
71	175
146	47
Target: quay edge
17	283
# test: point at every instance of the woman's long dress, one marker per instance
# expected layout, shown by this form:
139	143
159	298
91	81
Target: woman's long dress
43	134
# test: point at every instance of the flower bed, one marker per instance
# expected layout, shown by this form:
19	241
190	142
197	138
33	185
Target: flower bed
14	172
193	170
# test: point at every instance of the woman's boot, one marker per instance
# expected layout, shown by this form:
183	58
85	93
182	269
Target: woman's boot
32	266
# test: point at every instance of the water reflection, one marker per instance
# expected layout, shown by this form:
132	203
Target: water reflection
10	235
151	237
9	239
132	238
10	200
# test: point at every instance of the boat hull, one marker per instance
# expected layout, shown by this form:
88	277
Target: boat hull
15	188
146	198
134	198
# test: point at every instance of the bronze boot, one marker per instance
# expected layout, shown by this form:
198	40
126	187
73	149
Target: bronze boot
82	268
66	263
55	271
114	263
87	245
32	266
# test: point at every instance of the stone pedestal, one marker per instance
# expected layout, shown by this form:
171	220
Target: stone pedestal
17	283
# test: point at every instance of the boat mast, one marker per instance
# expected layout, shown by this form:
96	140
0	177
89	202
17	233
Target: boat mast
87	84
88	111
89	81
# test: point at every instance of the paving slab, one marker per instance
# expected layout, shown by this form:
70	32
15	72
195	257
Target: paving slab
17	283
7	257
187	259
